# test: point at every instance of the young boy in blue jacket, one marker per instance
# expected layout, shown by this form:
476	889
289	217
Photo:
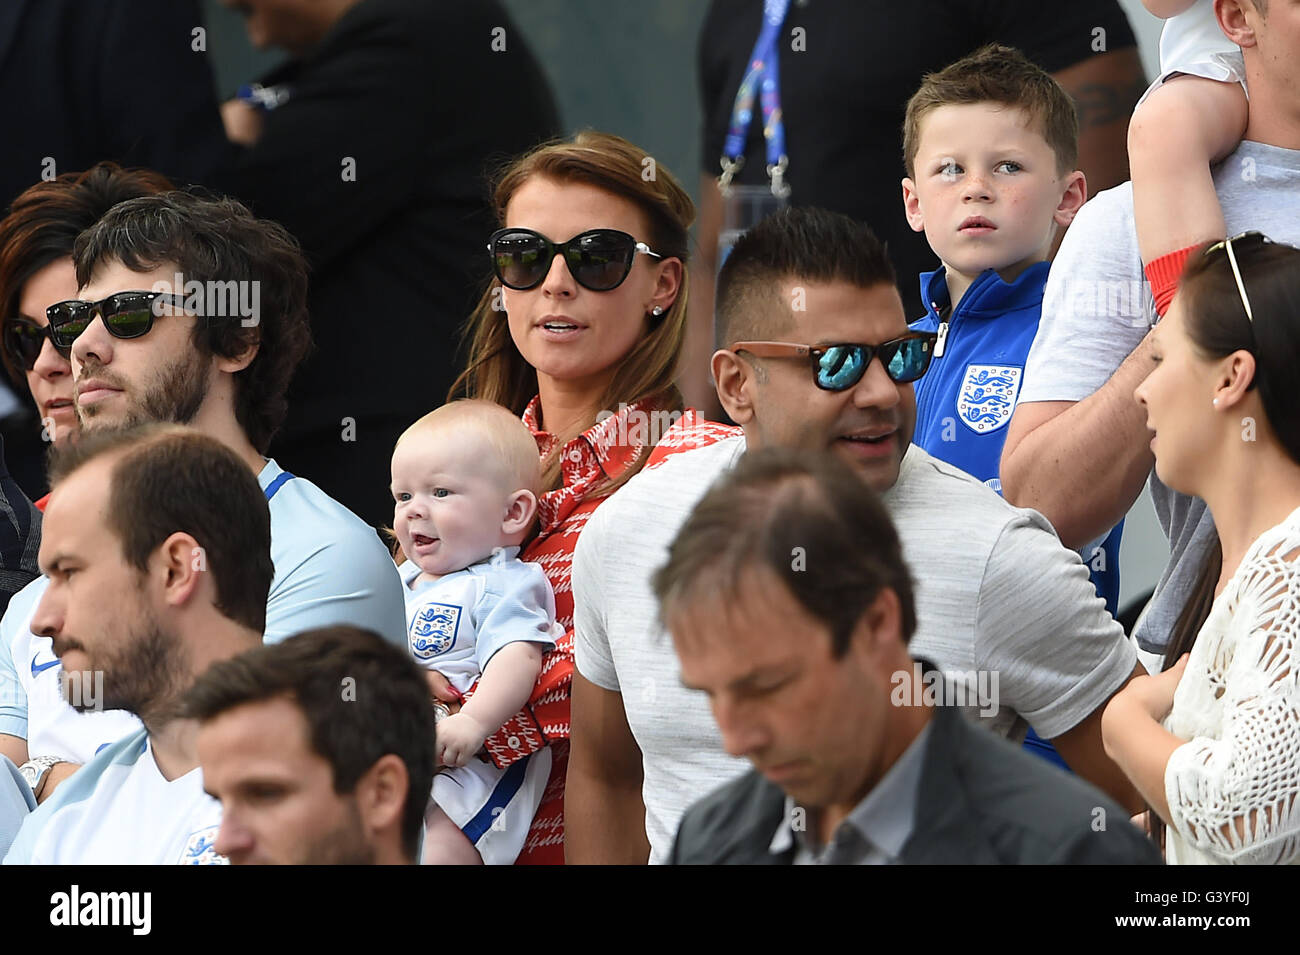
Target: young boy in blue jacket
990	145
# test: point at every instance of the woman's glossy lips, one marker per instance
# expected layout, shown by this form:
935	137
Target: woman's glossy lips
556	329
558	320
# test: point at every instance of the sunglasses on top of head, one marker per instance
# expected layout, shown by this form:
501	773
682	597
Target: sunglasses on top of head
598	259
1243	239
24	339
840	367
125	315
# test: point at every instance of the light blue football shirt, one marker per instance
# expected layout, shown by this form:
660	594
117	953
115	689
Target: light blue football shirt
16	801
119	809
330	568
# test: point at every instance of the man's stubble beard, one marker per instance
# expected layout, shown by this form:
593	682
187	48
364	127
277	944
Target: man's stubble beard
174	396
146	676
344	845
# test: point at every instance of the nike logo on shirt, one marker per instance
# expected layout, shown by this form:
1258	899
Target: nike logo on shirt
36	670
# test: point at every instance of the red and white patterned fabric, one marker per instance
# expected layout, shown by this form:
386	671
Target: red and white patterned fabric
689	433
603	452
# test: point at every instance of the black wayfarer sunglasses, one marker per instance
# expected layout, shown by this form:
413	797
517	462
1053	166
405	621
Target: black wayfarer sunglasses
125	314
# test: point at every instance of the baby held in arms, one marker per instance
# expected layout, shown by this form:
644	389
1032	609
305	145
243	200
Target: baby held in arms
465	481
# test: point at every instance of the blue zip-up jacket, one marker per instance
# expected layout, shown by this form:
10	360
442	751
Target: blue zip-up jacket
964	401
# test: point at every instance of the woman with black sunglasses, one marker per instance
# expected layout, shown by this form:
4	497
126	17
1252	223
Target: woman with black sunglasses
580	332
1213	741
36	271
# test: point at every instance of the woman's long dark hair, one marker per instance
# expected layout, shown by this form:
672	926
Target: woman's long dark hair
1216	323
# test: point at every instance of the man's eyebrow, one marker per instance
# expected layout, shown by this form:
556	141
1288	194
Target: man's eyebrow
749	679
54	561
740	682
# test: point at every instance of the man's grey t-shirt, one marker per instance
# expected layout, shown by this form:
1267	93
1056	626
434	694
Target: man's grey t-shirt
1097	308
997	595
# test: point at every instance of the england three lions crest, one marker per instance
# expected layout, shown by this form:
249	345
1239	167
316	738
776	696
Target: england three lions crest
201	848
988	396
434	630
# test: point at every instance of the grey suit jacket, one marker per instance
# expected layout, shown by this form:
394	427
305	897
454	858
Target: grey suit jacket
980	800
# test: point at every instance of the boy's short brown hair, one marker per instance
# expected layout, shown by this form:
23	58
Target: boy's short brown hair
997	74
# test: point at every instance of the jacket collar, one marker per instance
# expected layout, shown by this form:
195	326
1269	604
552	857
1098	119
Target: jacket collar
753	843
989	296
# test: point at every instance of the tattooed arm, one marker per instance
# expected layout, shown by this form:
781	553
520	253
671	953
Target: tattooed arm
1105	88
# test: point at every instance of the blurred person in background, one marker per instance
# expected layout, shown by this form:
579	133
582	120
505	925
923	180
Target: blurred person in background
373	145
126	80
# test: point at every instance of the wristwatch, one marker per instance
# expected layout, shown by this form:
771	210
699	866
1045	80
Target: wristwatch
35	771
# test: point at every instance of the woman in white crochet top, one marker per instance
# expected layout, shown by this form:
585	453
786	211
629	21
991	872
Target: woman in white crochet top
1213	742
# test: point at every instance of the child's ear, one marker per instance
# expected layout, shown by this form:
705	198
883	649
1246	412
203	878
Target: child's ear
1235	18
912	206
1072	200
520	509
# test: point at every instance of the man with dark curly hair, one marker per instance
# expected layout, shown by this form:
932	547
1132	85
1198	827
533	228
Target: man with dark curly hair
192	311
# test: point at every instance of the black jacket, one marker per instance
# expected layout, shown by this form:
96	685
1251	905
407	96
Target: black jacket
379	164
981	800
111	79
20	536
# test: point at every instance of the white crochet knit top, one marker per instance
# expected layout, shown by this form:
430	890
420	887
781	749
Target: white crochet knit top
1233	787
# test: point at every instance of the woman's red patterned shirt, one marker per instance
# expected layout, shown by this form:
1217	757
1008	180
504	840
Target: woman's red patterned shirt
601	453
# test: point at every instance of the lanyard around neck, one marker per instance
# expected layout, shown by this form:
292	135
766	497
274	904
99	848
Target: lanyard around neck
762	76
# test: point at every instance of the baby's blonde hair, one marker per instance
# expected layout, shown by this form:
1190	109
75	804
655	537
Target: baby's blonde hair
515	459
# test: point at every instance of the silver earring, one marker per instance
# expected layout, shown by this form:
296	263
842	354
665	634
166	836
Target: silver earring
657	311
